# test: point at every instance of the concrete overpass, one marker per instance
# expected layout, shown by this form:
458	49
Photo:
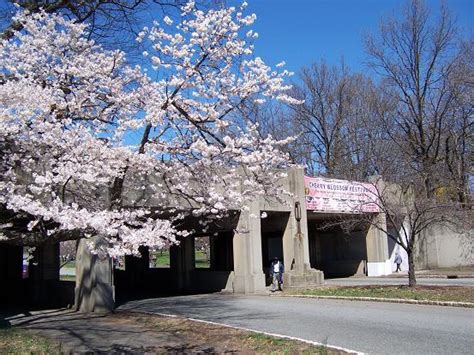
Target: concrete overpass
242	246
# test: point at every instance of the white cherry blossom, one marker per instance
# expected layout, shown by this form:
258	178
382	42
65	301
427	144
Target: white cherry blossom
68	108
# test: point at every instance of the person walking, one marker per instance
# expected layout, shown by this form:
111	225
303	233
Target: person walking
276	270
398	260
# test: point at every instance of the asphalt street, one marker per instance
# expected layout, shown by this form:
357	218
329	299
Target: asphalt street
373	328
363	281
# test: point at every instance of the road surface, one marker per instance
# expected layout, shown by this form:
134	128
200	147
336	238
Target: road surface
373	328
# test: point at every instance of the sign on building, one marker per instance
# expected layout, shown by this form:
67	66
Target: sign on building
333	195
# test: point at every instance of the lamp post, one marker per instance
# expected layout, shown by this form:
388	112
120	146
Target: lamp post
297	264
298	218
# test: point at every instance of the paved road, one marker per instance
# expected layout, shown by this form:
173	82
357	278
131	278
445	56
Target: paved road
361	281
374	328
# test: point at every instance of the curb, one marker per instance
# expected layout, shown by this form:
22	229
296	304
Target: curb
428	276
388	300
315	343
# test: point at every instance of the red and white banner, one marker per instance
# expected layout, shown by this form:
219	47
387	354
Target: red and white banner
333	195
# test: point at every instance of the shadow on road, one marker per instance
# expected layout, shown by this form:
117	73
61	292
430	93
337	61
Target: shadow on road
217	306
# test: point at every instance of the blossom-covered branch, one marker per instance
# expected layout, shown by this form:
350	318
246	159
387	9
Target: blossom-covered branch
68	108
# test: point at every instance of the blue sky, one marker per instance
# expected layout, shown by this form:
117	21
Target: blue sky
303	31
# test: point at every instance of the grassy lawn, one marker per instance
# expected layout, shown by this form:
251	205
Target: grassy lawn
201	260
66	270
13	340
163	259
431	293
264	344
70	265
67	277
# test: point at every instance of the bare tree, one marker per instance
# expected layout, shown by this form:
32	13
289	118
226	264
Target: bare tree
406	217
414	128
340	123
321	118
459	136
428	74
67	252
203	245
417	57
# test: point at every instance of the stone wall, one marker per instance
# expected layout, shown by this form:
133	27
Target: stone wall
442	247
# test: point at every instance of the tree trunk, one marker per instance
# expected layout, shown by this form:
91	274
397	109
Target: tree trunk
411	269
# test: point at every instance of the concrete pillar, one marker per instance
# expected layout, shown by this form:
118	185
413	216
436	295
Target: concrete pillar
136	268
247	246
11	262
221	252
43	274
315	248
182	263
11	266
378	260
298	272
94	281
45	262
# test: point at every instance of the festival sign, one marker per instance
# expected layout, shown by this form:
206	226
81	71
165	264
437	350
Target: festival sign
333	195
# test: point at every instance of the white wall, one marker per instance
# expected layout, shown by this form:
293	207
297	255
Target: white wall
441	247
394	248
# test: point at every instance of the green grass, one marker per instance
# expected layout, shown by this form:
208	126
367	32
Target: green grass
67	278
70	265
429	293
13	340
163	260
262	343
201	260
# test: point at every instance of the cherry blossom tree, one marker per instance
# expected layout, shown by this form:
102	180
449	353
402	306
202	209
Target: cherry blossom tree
68	110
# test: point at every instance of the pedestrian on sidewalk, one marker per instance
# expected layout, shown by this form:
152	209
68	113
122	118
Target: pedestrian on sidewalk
276	270
398	260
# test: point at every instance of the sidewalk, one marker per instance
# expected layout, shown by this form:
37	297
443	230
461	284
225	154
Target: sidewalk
443	273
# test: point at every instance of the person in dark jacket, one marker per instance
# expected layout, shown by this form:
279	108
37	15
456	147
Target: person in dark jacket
276	271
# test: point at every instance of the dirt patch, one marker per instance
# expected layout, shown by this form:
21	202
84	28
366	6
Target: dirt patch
190	336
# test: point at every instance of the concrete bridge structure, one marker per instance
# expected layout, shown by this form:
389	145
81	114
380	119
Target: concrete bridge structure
241	249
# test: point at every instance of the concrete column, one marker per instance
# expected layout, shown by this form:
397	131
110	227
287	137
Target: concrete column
378	260
247	246
182	263
136	268
221	252
214	253
94	281
315	249
298	272
45	262
11	266
43	274
11	262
